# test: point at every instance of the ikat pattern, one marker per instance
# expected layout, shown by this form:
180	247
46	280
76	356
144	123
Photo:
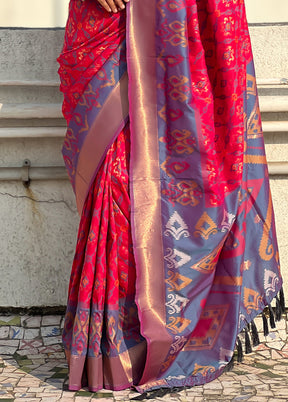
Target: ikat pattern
208	114
219	248
88	72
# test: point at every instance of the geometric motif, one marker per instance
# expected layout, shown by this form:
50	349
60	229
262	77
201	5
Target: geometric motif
270	281
178	324
177	87
185	192
176	227
227	221
252	300
173	303
266	251
254	129
203	370
178	344
207	264
174	33
205	227
176	258
180	141
176	281
208	328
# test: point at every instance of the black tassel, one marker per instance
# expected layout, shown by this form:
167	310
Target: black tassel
175	390
141	397
248	348
265	325
229	366
278	309
239	351
271	317
255	336
158	393
282	300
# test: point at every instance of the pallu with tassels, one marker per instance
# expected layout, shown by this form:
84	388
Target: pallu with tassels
176	251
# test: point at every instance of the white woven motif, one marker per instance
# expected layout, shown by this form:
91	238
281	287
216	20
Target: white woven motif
270	281
176	303
227	221
176	227
176	258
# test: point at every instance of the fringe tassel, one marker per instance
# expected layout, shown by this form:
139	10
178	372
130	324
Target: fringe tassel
239	350
265	325
271	317
229	366
278	309
157	393
255	336
282	300
248	348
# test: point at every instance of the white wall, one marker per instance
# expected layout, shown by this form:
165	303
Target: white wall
267	11
33	13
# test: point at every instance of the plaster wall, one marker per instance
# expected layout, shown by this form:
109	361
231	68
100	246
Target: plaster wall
40	223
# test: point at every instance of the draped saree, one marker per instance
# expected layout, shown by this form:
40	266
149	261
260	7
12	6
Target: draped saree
177	247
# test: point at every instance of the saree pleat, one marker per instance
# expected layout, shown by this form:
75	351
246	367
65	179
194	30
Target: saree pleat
177	248
101	311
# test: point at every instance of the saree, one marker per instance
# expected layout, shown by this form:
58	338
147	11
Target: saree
177	250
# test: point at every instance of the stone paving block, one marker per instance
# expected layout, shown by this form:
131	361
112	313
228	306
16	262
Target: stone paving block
265	393
7	397
5	350
213	385
58	355
4	332
278	345
285	348
212	392
30	344
241	398
231	391
31	333
37	362
50	349
10	320
275	400
50	331
20	389
25	352
10	369
16	333
51	320
9	342
282	334
31	322
52	340
106	400
21	394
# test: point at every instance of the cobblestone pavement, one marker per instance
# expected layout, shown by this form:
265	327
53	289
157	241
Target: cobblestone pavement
33	368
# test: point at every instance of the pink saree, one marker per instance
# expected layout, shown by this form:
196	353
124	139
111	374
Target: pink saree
177	249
